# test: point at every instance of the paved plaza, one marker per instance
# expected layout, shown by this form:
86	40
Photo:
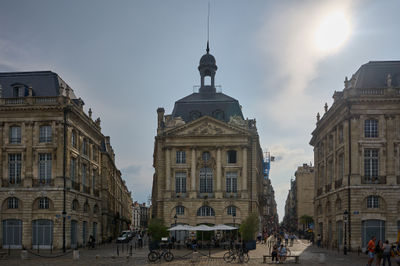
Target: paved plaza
107	255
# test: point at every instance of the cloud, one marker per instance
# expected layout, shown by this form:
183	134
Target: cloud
139	180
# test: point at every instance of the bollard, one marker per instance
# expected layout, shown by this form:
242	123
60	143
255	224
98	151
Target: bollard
130	252
75	254
321	257
24	254
9	250
122	247
38	248
117	250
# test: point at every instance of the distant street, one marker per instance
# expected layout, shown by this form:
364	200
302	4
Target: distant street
107	255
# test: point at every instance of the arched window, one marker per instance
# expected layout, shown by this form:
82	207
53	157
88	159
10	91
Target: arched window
75	205
373	202
180	210
231	210
205	211
12	203
44	203
95	209
86	207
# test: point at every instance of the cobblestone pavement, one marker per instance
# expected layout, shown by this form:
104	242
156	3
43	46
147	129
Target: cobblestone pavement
107	255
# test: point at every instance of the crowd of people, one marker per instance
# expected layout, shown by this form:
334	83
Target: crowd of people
382	252
277	244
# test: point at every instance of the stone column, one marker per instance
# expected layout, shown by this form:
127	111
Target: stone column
244	171
218	193
193	174
167	170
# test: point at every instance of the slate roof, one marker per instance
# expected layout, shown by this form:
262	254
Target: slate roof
374	74
43	83
207	103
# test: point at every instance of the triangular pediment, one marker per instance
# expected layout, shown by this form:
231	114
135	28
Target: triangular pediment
206	126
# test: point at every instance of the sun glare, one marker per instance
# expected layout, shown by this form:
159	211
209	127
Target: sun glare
333	31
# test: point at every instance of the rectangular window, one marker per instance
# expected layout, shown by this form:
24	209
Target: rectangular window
180	182
373	202
330	172
330	143
371	164
371	128
180	157
321	176
231	182
12	203
94	150
45	134
341	136
45	166
73	169
206	180
84	174
14	168
15	135
18	92
73	139
180	210
85	148
232	156
341	166
94	179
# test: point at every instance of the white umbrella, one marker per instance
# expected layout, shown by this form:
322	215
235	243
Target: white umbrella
203	227
224	227
181	227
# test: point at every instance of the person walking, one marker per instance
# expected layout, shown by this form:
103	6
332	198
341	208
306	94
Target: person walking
387	248
379	252
371	250
274	253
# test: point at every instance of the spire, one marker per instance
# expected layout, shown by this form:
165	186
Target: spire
208	48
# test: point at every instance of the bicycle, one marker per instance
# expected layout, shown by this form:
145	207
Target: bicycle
237	254
155	255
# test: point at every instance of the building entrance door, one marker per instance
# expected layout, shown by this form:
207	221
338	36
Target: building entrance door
74	234
372	228
12	234
42	234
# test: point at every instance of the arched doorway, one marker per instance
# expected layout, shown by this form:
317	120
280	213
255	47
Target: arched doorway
12	233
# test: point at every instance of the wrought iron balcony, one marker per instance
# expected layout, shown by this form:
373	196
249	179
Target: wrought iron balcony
338	183
42	182
373	180
75	185
319	191
11	182
86	189
15	140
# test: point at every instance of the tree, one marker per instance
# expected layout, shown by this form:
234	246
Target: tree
249	227
157	229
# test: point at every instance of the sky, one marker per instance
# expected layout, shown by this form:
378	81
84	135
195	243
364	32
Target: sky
127	58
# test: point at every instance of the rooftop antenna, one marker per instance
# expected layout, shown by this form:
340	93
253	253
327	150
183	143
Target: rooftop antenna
208	28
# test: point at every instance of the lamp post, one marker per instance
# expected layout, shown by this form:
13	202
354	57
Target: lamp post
175	218
345	219
233	216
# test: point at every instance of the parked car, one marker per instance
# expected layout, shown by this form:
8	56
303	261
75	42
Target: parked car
124	237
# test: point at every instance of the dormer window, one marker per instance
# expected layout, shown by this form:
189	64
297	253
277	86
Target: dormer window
194	115
18	92
218	114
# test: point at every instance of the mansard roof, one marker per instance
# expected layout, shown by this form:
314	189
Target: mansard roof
43	83
207	103
374	74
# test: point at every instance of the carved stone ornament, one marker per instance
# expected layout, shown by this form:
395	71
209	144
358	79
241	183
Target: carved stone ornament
206	128
237	120
389	80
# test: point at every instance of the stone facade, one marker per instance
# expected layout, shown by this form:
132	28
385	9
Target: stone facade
207	159
140	216
269	211
290	219
357	164
304	193
44	136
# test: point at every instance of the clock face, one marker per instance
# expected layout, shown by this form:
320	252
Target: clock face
206	156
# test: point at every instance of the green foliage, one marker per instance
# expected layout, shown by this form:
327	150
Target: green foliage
306	219
249	227
157	229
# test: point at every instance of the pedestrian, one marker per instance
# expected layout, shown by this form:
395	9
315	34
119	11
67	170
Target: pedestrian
387	248
291	239
140	241
371	250
319	240
379	252
274	253
282	252
286	238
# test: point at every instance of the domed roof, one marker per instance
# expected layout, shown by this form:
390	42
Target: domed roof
207	59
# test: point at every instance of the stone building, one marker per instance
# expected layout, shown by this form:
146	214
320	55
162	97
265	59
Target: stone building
140	216
357	158
304	193
269	212
46	136
207	158
290	219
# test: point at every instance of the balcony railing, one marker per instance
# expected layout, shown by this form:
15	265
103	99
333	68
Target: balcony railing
42	182
319	191
86	189
373	180
205	195
328	188
11	182
96	192
15	140
180	194
75	185
338	183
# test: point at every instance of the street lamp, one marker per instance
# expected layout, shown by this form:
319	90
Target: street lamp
345	219
175	218
233	216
